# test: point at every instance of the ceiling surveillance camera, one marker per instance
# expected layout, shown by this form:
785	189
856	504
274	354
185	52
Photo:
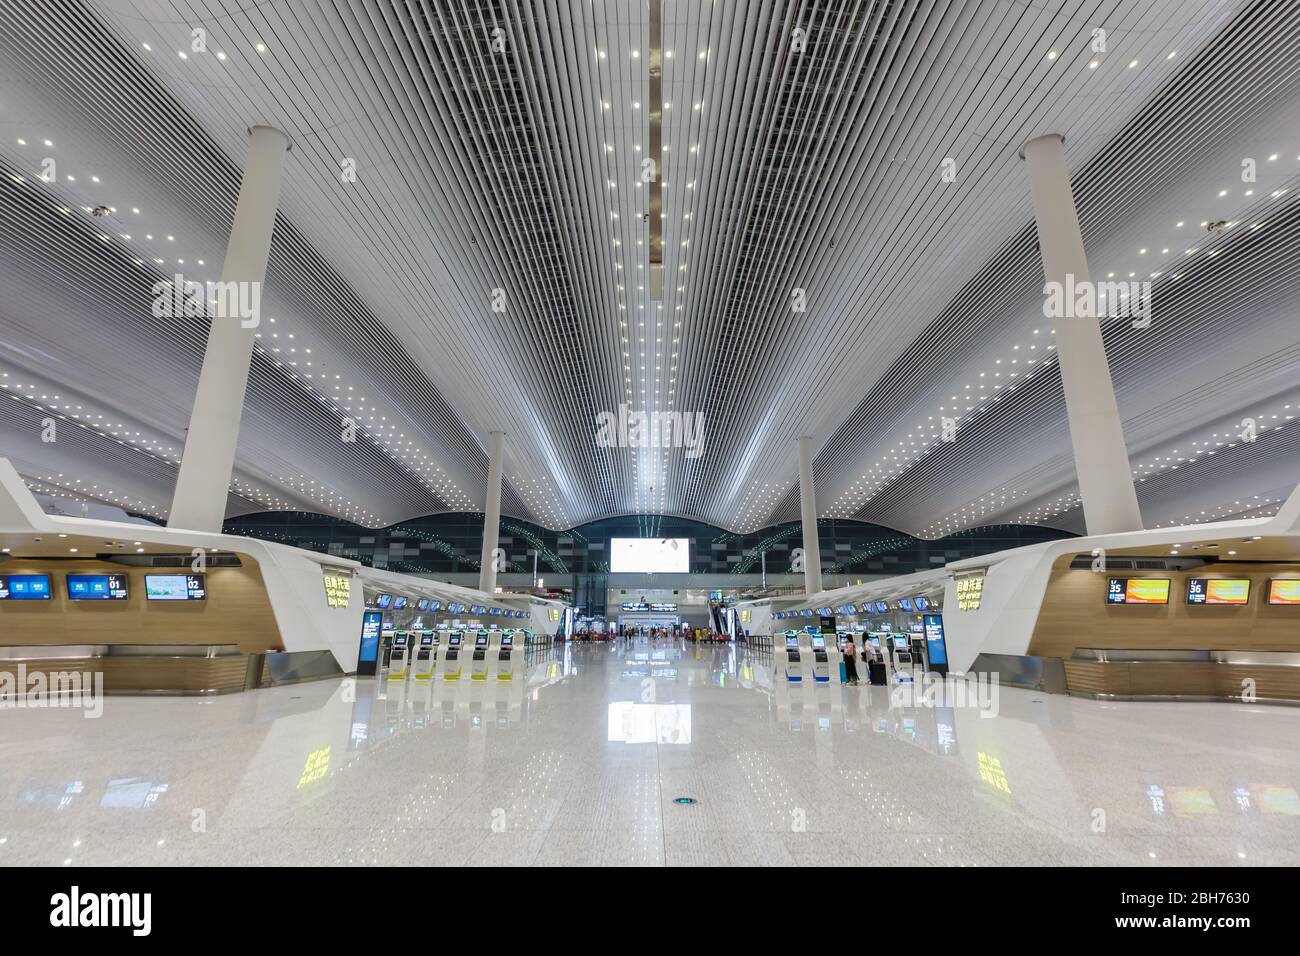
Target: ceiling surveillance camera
99	212
1216	226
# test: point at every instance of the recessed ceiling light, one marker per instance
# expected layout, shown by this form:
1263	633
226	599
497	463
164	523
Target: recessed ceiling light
1051	54
261	48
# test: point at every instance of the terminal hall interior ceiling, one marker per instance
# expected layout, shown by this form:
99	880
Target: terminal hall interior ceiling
488	266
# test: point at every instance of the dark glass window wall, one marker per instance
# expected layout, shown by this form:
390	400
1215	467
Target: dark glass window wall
451	544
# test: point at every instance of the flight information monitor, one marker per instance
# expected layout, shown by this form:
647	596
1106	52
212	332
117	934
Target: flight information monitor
1218	591
650	555
936	645
96	587
175	587
25	587
383	601
1284	591
1137	591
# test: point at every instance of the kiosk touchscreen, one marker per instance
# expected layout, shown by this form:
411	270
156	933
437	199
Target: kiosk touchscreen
451	662
426	655
479	661
398	659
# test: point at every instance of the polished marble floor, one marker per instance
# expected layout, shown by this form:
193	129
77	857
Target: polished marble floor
583	760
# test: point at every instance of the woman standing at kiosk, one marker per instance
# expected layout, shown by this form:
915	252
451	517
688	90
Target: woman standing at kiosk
850	660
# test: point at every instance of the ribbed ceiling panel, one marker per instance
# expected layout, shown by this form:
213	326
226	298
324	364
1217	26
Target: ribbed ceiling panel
487	267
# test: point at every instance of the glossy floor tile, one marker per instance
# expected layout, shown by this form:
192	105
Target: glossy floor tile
583	761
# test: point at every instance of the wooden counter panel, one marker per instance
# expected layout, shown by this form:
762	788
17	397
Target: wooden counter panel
126	674
1075	614
237	610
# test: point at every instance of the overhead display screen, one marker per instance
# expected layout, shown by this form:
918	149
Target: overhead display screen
175	587
650	555
25	587
96	587
1137	591
1218	590
383	601
1284	591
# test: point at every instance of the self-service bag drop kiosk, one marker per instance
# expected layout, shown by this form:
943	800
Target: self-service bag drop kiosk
426	655
821	670
510	653
399	661
902	654
478	667
794	665
874	656
449	664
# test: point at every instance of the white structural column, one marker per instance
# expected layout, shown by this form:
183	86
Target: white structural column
487	573
1096	432
812	555
199	503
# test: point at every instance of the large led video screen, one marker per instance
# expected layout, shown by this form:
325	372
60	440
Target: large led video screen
650	555
1218	591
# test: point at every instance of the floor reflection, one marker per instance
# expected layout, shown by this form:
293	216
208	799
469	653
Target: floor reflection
581	759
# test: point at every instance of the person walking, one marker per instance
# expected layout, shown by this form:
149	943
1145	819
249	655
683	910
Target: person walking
851	661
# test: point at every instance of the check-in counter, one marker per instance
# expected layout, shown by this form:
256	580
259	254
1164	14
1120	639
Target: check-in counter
133	668
1184	674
